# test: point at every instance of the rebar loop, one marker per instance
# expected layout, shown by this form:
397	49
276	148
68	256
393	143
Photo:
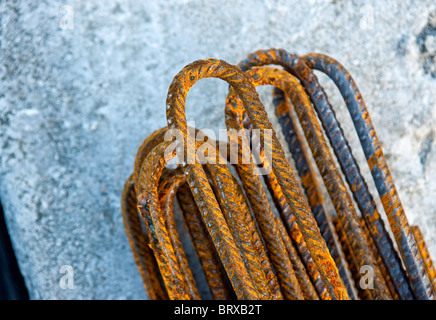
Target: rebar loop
258	231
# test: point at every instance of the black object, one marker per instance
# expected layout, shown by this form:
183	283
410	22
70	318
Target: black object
12	285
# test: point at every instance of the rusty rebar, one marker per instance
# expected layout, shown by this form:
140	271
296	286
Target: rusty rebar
215	276
382	178
310	183
332	179
244	250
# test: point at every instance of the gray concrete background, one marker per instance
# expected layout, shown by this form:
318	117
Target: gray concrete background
76	103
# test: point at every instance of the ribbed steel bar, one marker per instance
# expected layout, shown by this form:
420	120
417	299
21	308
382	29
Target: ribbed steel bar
149	208
364	292
248	222
266	264
138	241
214	274
216	224
379	259
245	251
157	137
145	148
262	211
409	251
242	225
237	215
169	183
331	176
176	119
295	234
335	186
431	272
234	112
300	271
311	185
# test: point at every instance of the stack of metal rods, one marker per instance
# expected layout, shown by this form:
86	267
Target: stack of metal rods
228	201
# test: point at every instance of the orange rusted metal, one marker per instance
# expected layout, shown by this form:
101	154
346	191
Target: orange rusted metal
428	263
332	179
139	243
245	251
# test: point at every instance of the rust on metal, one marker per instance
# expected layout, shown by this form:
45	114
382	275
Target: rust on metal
428	263
331	176
139	243
245	251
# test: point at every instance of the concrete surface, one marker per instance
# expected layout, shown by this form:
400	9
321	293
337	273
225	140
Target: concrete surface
79	95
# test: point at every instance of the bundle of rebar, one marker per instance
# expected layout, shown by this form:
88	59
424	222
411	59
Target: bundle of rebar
270	235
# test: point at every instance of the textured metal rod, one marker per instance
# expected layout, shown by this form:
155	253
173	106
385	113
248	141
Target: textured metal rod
335	186
242	225
149	207
295	234
138	241
235	114
170	181
145	148
266	264
379	259
214	220
198	183
383	180
238	197
300	271
211	265
231	223
176	119
305	168
236	214
332	178
227	188
431	272
364	293
153	140
234	111
261	209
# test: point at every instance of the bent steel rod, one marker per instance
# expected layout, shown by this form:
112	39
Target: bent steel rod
332	179
248	174
216	277
295	66
149	208
142	253
239	219
214	220
242	244
235	113
303	163
270	272
379	259
227	189
176	119
244	250
170	181
382	177
231	211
